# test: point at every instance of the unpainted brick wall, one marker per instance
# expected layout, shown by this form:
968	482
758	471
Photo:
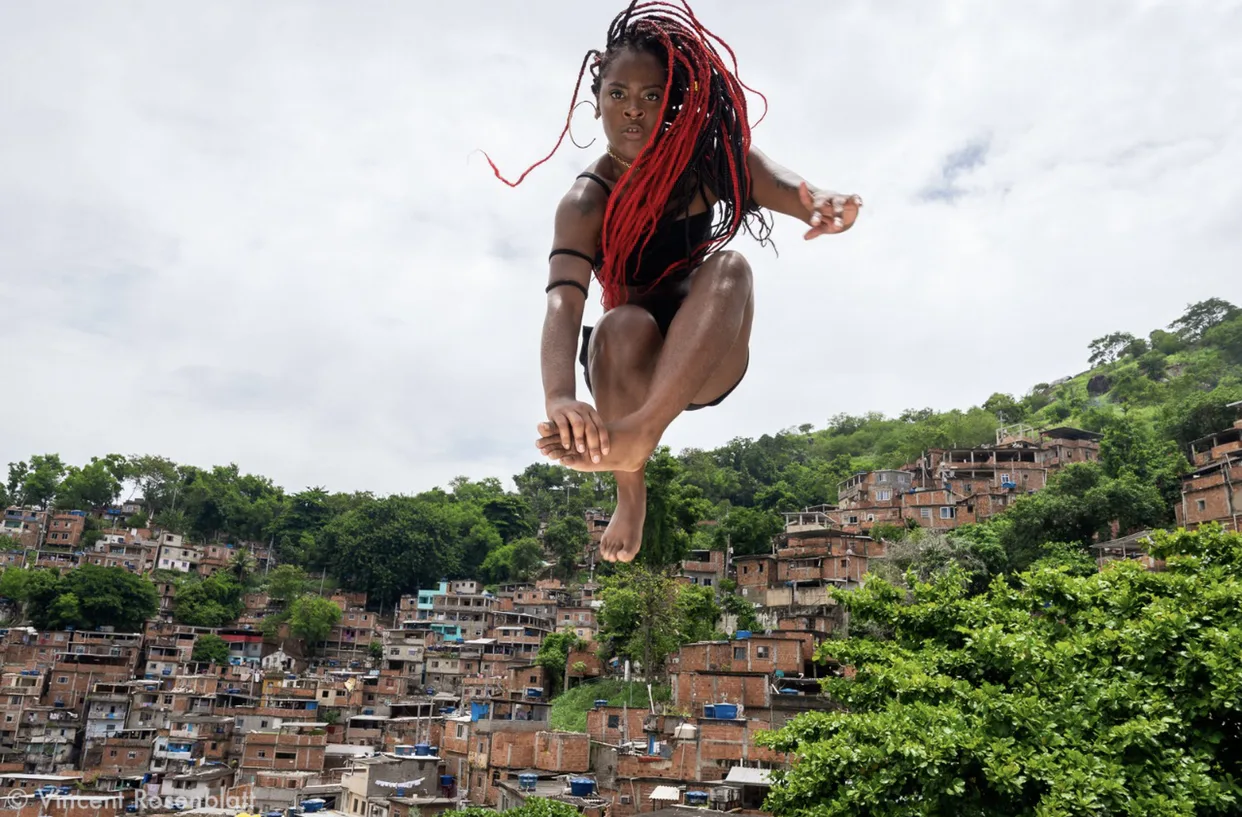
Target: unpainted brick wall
562	752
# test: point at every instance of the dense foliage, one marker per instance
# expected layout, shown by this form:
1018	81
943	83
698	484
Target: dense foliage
1065	691
84	599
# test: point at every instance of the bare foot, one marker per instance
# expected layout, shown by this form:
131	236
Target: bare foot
631	445
624	536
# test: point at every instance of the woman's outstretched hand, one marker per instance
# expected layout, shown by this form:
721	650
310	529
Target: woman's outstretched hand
580	427
831	213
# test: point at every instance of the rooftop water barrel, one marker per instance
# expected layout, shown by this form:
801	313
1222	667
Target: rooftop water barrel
726	711
422	749
696	798
709	710
581	786
743	634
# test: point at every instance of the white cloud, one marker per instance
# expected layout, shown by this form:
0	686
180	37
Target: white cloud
258	233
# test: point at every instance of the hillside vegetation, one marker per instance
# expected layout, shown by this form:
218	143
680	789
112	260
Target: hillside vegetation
1150	396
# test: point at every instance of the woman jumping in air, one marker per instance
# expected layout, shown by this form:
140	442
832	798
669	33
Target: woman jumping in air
649	218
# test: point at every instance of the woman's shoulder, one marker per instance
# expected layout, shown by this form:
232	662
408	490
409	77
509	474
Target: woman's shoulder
589	190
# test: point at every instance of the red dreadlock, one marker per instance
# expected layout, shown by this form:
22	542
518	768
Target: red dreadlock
703	139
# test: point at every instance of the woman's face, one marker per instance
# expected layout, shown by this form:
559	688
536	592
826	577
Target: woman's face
631	96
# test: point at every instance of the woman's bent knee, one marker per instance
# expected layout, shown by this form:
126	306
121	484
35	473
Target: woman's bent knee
625	336
729	270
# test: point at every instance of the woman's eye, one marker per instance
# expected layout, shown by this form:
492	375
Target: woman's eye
653	96
616	94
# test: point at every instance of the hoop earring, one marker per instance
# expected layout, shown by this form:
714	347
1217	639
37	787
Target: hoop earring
571	124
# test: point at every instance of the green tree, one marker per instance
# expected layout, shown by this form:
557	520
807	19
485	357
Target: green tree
1108	348
1005	407
312	619
697	613
1077	506
211	648
1199	413
287	583
1227	337
921	555
88	597
638	619
36	483
553	656
674	509
241	567
748	530
212	602
565	539
397	544
91	486
516	561
1057	693
1131	447
1153	365
1201	317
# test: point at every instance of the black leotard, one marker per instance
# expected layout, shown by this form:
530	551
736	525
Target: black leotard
672	241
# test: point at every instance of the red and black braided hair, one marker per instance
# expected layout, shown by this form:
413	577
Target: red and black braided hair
703	140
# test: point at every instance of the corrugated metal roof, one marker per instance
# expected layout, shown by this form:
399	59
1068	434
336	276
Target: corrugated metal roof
666	793
755	777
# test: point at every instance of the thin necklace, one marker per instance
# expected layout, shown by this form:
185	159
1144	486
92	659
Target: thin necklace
619	160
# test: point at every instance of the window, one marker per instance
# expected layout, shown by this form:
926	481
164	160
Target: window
286	755
614	721
1005	478
461	730
761	652
882	478
739	653
925	513
1202	504
884	494
947	513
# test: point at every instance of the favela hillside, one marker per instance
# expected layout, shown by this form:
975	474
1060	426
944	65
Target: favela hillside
1028	607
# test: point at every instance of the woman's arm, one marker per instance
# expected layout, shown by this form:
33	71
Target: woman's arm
579	220
780	190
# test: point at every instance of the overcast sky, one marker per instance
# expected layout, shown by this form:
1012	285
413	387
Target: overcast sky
256	233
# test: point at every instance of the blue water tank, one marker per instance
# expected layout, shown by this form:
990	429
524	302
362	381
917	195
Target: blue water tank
422	749
526	782
581	786
743	634
709	710
447	780
600	702
726	712
696	798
